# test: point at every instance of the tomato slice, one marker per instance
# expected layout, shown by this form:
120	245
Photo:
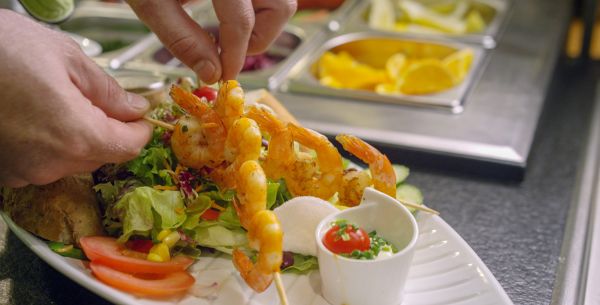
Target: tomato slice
210	214
107	251
161	285
352	238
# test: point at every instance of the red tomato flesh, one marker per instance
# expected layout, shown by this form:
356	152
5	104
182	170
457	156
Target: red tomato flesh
140	245
207	92
108	252
210	214
353	238
161	285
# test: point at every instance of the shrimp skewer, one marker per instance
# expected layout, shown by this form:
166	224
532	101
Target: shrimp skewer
307	178
198	139
251	192
382	172
280	153
265	236
243	143
229	104
264	230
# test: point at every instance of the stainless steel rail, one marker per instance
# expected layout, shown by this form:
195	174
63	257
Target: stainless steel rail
579	269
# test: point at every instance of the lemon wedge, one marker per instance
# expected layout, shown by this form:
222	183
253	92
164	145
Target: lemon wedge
424	77
343	71
395	65
386	88
459	63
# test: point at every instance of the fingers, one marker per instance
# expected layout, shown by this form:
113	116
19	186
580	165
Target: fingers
119	142
271	17
236	18
105	93
181	35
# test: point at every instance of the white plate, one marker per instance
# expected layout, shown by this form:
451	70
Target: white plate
445	270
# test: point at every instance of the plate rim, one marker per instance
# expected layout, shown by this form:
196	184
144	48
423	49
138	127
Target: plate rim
84	277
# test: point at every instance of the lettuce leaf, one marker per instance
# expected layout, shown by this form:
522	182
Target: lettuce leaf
212	234
145	208
302	264
150	166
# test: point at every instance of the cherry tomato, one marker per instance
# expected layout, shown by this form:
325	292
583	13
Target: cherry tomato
140	245
207	92
352	238
157	285
107	251
210	214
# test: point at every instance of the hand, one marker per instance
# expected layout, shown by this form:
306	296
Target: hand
246	26
60	113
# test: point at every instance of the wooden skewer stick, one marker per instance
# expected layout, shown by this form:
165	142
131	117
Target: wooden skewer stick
419	207
162	124
280	289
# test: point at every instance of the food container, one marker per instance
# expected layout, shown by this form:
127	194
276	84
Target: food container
152	86
258	69
330	19
113	26
374	49
492	13
363	282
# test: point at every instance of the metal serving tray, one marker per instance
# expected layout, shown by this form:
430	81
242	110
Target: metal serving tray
356	21
302	78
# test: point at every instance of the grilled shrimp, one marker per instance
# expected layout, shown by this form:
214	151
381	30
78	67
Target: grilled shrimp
251	191
198	140
309	178
243	143
280	153
230	102
382	172
265	236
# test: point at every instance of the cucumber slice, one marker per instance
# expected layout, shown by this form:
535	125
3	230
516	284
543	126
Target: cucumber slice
410	193
401	173
49	11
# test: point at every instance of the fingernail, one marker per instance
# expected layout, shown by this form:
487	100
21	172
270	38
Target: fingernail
206	71
137	102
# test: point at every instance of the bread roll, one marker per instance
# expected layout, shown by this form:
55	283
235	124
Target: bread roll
64	211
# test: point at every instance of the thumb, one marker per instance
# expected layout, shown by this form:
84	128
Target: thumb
120	142
105	93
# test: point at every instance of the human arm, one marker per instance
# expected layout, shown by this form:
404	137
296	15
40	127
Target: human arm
60	114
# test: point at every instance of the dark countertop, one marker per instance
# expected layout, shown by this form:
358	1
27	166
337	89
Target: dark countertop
516	227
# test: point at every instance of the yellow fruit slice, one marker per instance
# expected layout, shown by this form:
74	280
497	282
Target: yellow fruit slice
475	23
343	71
459	64
424	77
395	65
386	88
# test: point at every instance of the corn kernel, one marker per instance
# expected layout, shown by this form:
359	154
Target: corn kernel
171	239
162	234
154	257
161	250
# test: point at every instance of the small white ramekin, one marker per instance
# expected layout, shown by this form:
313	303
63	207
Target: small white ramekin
346	281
